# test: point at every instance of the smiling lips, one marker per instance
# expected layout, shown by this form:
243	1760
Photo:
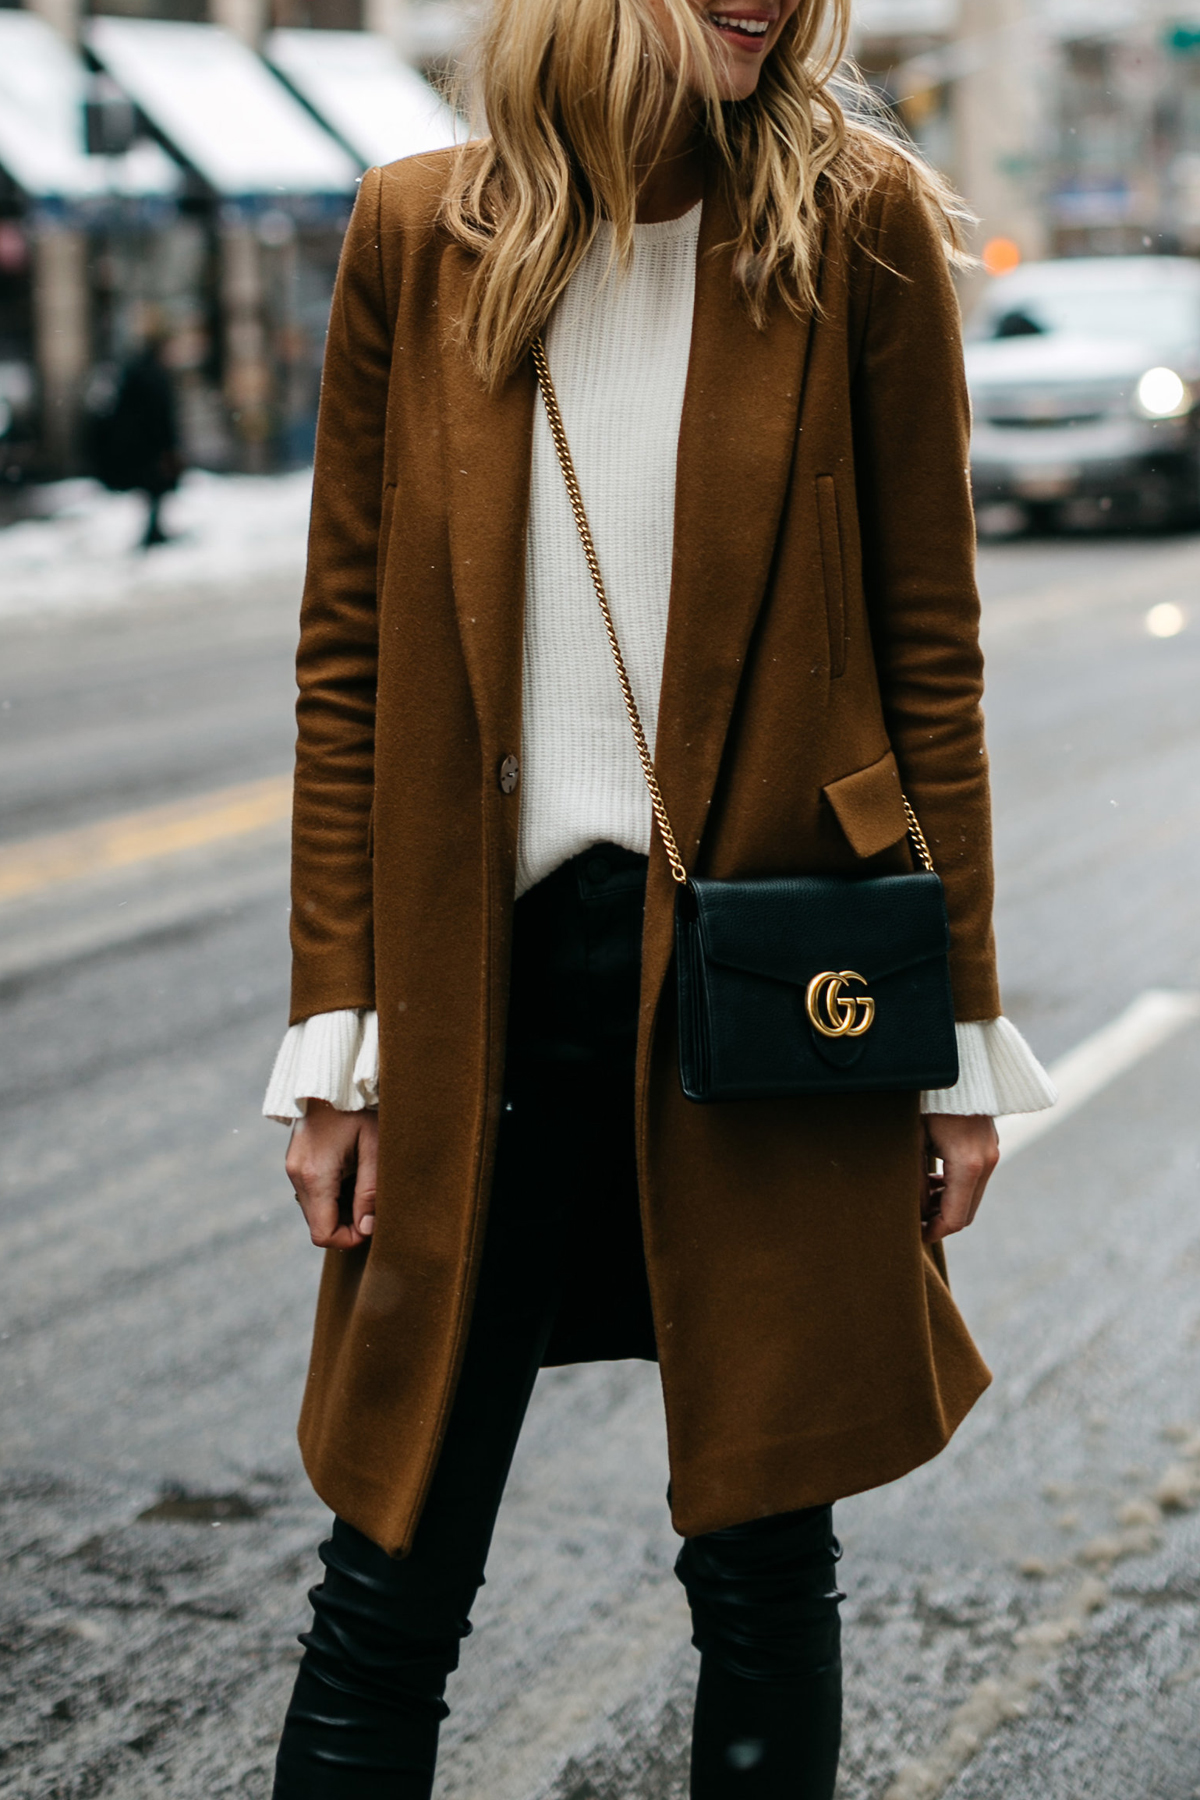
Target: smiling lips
748	30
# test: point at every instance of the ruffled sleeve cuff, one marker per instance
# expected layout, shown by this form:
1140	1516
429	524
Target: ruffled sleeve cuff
998	1074
333	1056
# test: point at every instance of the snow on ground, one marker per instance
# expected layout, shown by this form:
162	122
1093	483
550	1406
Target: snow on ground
81	554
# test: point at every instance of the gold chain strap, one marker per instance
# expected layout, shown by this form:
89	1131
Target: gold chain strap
918	838
559	434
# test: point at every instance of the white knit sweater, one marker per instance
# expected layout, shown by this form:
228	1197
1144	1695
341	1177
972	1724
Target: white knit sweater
618	349
618	346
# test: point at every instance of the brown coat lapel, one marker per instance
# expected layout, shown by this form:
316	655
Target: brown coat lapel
489	447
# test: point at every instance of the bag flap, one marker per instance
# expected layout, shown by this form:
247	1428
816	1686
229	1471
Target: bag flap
789	928
870	806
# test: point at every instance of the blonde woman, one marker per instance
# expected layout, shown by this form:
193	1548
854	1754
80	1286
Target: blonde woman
749	319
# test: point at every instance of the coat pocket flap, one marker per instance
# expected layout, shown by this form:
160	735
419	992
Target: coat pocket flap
794	927
870	806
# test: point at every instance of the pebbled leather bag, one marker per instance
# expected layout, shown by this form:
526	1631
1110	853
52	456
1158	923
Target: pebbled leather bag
803	984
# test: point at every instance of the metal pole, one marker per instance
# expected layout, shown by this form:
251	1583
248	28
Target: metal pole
391	18
64	15
998	102
247	370
246	19
61	338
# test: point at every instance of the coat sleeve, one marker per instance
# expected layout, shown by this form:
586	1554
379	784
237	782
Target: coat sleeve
331	929
912	431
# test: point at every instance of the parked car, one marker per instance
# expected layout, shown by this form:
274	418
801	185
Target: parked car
1085	387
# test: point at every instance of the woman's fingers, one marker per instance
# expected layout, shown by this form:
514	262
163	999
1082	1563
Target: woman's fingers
981	1184
364	1185
957	1200
326	1148
314	1169
969	1151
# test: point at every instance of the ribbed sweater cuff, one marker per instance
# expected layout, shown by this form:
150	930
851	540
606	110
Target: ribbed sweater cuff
998	1074
333	1056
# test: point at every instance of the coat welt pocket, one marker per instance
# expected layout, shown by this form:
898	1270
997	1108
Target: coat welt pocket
870	806
832	573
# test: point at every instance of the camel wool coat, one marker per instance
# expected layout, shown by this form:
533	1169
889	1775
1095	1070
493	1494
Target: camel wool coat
821	648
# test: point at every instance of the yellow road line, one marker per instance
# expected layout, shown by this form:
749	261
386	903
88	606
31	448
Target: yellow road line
138	836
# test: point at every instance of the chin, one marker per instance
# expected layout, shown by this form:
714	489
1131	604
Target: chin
738	84
738	74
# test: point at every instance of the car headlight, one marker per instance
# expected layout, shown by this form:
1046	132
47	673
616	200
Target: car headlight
1162	394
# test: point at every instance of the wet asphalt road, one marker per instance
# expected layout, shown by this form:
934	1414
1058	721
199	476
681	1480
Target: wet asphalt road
1024	1615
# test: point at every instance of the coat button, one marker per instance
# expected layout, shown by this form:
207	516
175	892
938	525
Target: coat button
510	774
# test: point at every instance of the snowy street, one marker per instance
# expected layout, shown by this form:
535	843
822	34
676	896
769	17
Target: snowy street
77	553
1023	1620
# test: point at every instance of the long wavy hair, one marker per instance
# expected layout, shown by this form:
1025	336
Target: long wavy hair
571	100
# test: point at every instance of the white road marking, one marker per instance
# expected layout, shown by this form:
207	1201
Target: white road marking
1152	1018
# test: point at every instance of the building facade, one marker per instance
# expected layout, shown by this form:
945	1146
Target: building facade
182	173
1071	126
183	170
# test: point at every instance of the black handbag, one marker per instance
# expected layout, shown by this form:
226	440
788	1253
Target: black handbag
793	984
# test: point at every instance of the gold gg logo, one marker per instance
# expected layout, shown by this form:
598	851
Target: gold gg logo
832	1011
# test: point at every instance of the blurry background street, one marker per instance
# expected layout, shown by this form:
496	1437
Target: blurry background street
1023	1620
156	1285
177	174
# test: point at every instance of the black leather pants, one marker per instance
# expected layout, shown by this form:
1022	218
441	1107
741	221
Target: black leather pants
768	1721
369	1696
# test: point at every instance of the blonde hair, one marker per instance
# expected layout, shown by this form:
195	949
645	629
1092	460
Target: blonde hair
577	96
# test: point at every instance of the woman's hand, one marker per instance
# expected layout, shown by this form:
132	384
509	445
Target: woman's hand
331	1163
969	1150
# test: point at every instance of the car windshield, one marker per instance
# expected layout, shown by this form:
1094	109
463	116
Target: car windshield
1165	315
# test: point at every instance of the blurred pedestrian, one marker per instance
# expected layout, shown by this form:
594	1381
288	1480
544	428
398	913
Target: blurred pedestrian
137	437
748	313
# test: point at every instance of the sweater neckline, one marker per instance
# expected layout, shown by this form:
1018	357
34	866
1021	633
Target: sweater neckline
661	231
